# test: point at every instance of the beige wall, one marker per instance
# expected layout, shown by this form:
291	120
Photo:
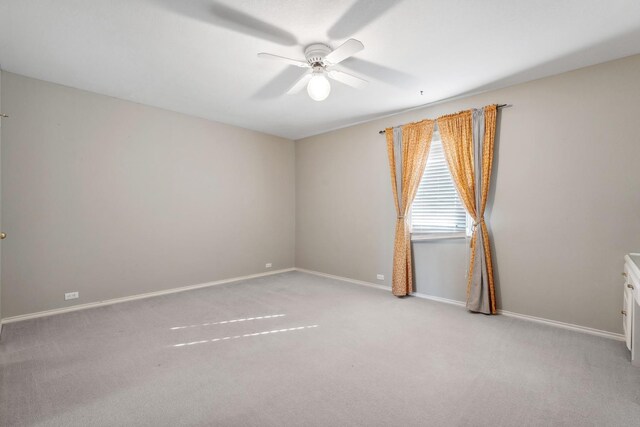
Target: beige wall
0	201
565	199
111	198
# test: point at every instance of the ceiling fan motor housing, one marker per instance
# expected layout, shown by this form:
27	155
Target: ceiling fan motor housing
316	53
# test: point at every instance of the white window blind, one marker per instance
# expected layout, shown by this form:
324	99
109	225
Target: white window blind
437	207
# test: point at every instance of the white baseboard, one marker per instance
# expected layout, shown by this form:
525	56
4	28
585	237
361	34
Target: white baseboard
136	297
439	299
564	325
549	322
345	279
557	324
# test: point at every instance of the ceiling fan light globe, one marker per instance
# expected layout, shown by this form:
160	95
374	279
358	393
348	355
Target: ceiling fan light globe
318	87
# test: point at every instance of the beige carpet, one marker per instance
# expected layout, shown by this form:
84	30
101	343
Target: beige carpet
296	349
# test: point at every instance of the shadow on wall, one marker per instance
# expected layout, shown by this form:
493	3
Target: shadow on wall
622	45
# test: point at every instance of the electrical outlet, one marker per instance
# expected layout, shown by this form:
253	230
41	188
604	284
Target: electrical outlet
380	276
267	265
71	295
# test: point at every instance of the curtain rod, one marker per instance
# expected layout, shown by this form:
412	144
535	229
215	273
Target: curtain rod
499	106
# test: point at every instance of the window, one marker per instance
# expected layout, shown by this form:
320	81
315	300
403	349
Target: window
437	209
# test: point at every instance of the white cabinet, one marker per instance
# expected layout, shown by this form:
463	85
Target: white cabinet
631	306
627	311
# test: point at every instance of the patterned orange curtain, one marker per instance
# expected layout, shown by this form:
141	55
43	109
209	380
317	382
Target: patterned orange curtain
408	148
468	141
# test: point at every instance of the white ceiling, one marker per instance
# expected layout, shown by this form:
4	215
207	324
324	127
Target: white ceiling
199	56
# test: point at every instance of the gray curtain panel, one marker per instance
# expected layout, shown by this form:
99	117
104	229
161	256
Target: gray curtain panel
478	299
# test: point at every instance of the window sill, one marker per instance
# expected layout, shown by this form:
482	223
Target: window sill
437	236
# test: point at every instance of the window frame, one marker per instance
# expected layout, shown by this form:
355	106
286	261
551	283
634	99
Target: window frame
427	236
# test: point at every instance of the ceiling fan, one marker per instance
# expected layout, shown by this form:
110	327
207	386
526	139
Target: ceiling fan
320	60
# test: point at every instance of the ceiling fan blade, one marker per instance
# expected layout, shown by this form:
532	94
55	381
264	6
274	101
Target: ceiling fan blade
279	84
300	84
382	73
214	13
242	22
358	16
344	51
289	61
348	79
